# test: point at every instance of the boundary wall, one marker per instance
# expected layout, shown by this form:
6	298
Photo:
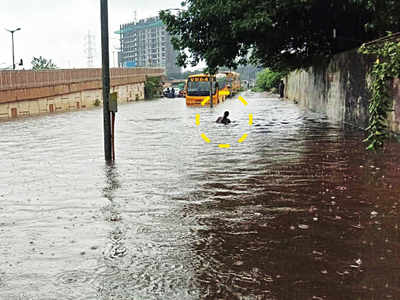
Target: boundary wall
340	89
26	93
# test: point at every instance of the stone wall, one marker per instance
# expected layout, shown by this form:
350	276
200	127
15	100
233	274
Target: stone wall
339	89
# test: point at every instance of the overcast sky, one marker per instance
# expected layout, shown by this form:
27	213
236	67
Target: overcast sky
56	29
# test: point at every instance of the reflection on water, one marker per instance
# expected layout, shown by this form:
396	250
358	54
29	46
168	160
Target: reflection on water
298	211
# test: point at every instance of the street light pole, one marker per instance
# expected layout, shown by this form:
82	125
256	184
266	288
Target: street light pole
12	44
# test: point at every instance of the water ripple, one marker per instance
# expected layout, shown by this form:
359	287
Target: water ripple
297	211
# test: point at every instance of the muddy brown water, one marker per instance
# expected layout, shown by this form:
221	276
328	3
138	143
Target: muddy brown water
297	211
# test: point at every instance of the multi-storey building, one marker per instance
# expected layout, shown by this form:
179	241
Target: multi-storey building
146	43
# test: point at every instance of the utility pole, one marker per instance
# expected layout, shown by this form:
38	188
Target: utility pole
12	44
106	79
211	91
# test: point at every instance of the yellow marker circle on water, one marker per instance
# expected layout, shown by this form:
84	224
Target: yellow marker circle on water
205	137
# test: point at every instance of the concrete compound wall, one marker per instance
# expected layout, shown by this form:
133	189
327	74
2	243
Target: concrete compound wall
340	89
69	102
28	93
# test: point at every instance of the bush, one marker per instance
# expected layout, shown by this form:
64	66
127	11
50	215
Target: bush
257	89
268	79
152	87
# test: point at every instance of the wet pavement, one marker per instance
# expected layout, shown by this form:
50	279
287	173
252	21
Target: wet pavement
297	211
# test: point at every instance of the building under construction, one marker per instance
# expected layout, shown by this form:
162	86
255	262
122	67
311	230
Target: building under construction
146	43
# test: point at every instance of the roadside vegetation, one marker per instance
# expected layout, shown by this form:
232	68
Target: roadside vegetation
268	80
385	69
41	63
152	87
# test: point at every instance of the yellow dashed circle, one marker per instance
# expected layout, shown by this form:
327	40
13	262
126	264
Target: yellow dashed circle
204	136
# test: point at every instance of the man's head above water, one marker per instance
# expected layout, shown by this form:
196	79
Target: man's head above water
224	119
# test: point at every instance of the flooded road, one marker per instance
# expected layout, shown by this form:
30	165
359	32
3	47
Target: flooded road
297	211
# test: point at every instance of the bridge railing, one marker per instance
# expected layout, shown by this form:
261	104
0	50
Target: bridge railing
10	80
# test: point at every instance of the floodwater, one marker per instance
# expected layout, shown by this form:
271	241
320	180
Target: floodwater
297	211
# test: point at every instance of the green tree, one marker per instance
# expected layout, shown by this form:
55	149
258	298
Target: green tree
268	79
41	63
152	87
282	35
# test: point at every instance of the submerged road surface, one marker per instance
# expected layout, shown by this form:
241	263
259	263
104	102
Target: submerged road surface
296	211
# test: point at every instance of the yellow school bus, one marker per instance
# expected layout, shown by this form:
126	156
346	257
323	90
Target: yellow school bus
198	88
223	88
233	82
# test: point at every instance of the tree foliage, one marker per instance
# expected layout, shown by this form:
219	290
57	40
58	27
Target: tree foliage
152	87
280	34
268	79
41	63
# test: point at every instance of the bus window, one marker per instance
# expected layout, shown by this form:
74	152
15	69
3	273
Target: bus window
199	88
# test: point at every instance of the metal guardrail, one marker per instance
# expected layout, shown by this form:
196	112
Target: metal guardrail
11	80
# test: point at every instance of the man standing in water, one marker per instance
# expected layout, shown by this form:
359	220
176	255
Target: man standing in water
224	119
281	89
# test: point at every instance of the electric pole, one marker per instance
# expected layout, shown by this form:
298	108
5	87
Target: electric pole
106	79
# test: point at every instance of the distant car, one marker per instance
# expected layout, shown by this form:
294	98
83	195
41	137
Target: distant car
168	93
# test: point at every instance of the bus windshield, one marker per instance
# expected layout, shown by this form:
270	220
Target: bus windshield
199	88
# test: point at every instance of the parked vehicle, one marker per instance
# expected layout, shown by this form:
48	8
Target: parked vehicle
233	82
170	92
